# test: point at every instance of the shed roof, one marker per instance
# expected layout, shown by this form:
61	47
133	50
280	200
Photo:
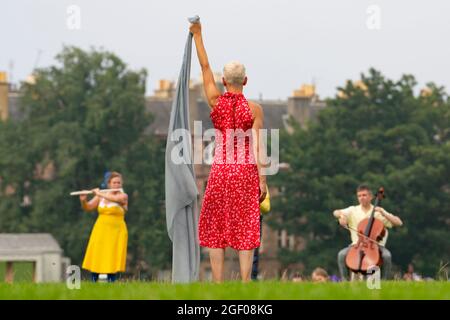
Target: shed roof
28	243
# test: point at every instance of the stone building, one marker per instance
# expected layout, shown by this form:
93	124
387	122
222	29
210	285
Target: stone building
40	249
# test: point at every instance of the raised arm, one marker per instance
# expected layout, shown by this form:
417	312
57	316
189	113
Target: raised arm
209	85
338	213
341	216
395	220
89	205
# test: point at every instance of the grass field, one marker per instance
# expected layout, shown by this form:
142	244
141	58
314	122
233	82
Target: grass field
264	290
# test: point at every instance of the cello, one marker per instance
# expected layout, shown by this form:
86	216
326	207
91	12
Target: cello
365	254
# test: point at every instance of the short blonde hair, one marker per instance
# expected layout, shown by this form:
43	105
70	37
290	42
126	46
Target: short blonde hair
320	272
234	73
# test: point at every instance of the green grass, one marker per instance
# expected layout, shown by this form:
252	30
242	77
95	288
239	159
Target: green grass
265	290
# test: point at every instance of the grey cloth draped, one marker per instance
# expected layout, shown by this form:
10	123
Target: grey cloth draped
181	189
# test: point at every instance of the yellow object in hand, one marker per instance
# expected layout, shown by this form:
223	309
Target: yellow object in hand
264	206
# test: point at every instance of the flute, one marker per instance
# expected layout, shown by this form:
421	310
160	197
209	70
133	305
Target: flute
77	193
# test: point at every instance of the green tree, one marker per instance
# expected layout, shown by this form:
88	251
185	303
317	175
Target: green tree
84	116
384	134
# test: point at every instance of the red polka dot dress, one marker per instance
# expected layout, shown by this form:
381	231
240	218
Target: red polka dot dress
230	211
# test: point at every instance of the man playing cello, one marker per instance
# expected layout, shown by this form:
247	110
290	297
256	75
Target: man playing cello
353	215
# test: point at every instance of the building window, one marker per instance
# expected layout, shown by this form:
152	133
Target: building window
285	119
285	240
282	238
291	242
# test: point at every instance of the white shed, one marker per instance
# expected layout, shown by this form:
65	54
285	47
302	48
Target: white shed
40	248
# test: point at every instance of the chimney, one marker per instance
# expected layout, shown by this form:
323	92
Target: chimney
305	91
4	89
166	89
300	103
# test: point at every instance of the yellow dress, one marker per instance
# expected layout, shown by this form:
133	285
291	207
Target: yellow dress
107	248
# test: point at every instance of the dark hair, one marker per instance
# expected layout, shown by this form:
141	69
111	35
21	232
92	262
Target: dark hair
363	187
104	184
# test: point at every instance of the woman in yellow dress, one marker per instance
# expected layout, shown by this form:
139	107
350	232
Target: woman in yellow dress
107	248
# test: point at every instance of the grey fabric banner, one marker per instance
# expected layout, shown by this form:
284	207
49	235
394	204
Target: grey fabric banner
181	189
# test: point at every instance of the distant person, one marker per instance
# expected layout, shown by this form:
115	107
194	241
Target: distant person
297	277
107	248
353	215
410	275
319	275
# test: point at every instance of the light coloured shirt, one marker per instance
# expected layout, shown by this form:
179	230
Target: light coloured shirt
355	214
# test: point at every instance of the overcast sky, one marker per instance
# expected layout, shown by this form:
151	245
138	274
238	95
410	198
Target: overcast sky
282	43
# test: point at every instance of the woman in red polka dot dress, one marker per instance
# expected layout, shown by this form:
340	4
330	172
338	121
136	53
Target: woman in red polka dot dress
230	212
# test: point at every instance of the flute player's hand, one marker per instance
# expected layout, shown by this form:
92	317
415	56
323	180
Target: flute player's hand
83	197
96	191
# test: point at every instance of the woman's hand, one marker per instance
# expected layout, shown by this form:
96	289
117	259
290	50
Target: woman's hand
195	28
83	197
96	191
262	190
